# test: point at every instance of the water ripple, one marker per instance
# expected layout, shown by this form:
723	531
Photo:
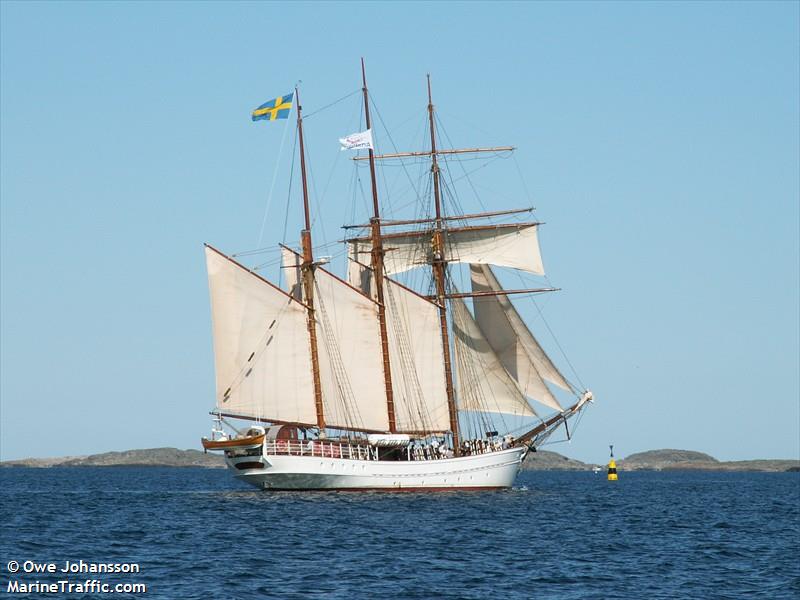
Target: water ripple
197	534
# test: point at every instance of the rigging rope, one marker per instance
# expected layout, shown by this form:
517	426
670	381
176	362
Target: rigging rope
451	194
412	387
334	103
474	191
394	146
347	398
555	339
524	183
272	185
288	201
422	189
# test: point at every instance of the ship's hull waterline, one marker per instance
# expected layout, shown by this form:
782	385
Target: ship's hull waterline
493	470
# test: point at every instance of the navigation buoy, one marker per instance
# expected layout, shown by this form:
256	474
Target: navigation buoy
612	466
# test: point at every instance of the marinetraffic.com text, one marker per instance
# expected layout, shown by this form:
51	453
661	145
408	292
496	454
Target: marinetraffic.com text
22	582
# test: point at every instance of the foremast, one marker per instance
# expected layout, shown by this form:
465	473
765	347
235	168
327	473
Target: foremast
307	269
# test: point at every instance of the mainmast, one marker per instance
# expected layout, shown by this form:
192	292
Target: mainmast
308	275
439	266
377	266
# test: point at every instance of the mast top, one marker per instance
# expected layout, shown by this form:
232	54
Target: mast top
306	211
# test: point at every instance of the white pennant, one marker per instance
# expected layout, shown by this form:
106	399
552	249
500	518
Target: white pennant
357	141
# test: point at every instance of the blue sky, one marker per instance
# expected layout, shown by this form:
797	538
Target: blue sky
658	141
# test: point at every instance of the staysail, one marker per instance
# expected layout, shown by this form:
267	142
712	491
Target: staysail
516	347
484	385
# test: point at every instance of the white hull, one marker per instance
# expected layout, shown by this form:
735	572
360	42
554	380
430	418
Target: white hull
493	470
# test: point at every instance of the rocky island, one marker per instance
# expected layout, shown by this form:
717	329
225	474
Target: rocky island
150	457
545	460
688	460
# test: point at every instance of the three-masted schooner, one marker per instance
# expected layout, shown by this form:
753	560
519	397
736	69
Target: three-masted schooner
359	384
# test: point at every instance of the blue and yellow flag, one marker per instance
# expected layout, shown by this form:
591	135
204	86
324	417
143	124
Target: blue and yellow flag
274	109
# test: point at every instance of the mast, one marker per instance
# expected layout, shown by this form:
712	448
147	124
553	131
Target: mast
308	275
377	266
439	273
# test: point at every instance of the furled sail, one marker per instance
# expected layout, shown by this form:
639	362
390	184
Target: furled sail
484	385
261	349
348	344
510	338
511	245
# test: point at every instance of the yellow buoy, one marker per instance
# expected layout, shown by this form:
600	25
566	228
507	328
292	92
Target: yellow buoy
612	466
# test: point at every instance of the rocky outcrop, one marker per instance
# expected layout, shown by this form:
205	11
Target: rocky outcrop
151	457
656	460
688	460
543	460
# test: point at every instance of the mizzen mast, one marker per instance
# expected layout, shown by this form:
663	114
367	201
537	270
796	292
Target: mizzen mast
377	265
308	275
439	265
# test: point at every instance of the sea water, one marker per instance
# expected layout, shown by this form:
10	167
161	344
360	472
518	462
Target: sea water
197	533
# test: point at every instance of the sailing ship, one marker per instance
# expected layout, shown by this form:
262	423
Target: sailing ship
361	382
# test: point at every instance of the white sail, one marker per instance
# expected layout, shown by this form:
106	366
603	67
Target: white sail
416	359
348	344
360	275
510	338
416	353
351	364
261	348
483	383
514	246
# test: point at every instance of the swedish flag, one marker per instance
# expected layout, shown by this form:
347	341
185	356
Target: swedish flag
274	109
